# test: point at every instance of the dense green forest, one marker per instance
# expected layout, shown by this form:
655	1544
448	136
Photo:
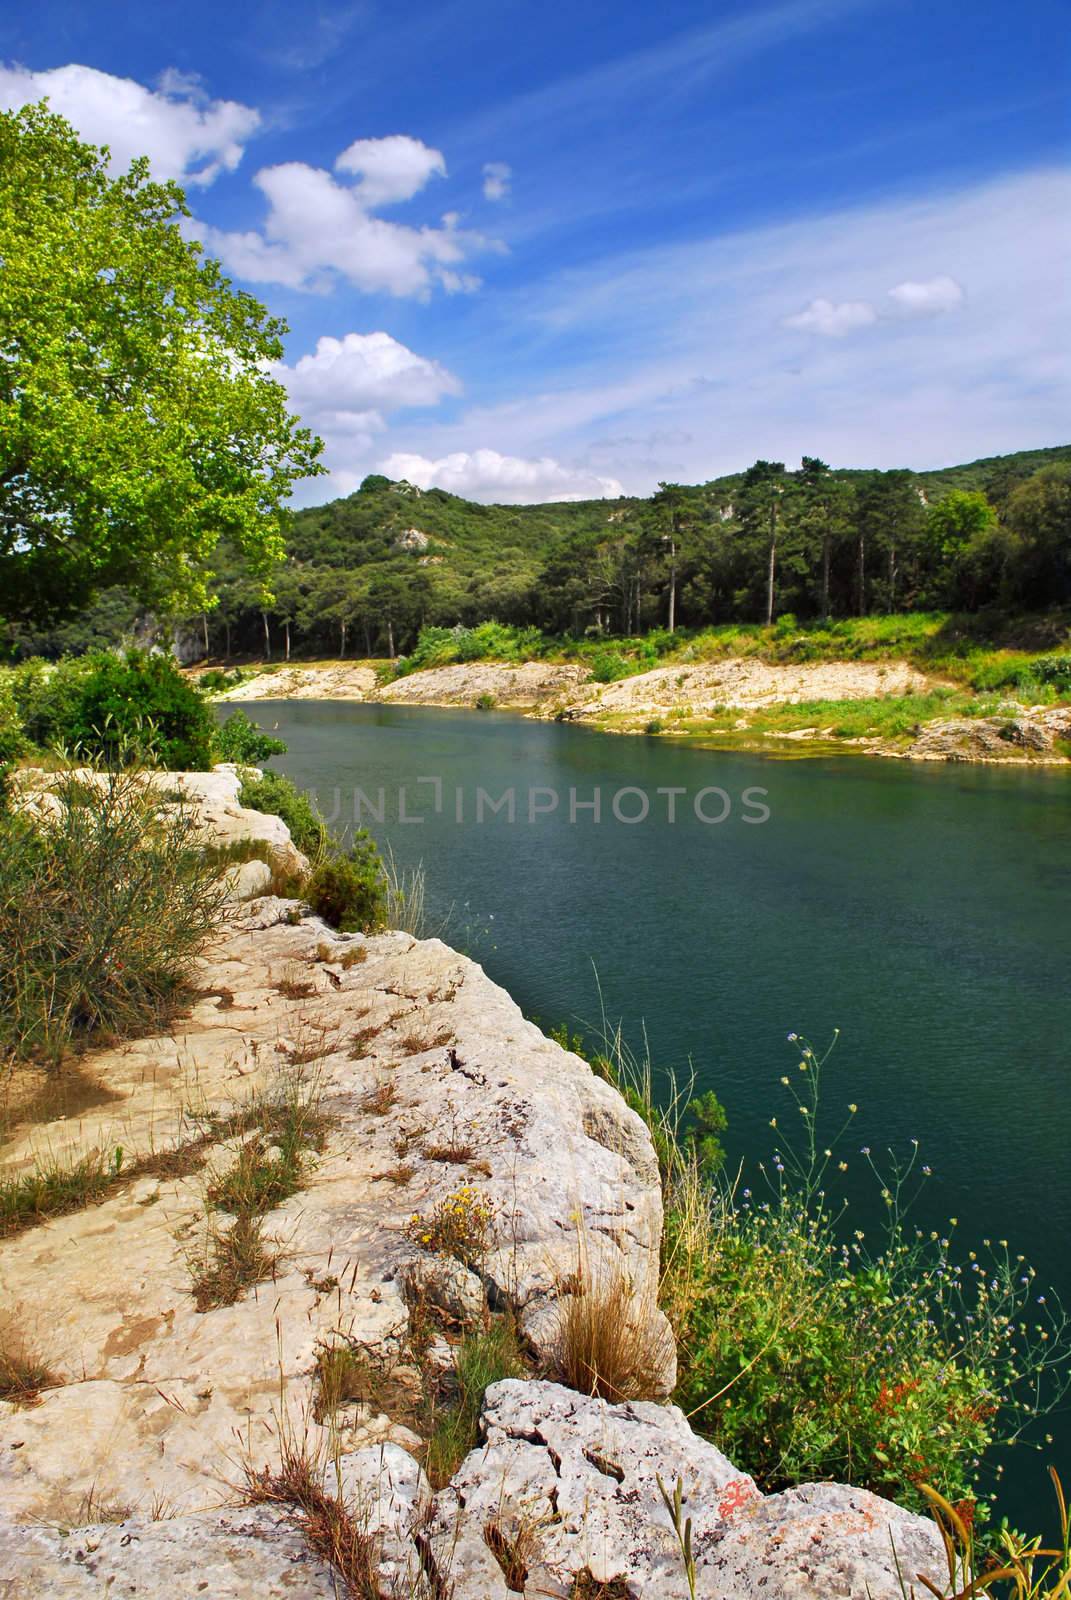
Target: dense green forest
365	573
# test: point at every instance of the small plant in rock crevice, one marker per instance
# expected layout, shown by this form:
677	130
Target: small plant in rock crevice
460	1225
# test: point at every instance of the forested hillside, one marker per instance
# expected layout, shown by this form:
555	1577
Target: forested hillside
365	573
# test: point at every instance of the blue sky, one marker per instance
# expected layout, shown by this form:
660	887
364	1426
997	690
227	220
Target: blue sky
529	252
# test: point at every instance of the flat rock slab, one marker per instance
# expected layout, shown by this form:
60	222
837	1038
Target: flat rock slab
433	1080
224	1555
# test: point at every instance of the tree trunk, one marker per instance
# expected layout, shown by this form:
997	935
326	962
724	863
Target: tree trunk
286	631
773	566
204	629
672	585
342	638
367	640
390	637
892	577
861	578
226	639
825	577
267	636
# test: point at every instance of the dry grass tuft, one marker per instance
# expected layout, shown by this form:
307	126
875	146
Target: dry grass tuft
294	988
611	1345
327	1525
516	1551
24	1372
585	1587
416	1044
378	1101
400	1175
459	1154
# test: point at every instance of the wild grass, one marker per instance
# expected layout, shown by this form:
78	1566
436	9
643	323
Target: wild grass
407	903
232	1259
268	1169
24	1370
1013	1567
103	908
54	1189
484	1356
610	1344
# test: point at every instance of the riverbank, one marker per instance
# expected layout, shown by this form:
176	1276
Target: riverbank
878	708
445	1163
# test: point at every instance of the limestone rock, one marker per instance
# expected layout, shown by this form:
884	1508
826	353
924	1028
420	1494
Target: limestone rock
448	1285
155	1394
249	881
579	1479
220	1555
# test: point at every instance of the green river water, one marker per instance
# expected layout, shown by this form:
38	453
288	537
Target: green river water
923	910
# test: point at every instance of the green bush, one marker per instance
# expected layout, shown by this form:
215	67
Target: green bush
608	666
350	890
107	706
12	736
278	796
238	739
216	679
808	1353
101	913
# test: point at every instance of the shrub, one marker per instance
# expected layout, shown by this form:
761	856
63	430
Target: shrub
276	795
238	739
217	679
350	891
806	1353
106	705
485	702
608	666
102	910
12	737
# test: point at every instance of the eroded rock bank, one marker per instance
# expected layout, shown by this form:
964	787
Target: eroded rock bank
130	1471
677	700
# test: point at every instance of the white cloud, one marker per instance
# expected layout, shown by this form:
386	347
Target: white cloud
185	134
928	299
506	480
391	169
362	375
831	320
319	231
497	178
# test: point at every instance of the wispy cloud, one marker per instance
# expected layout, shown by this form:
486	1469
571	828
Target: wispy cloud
684	62
683	351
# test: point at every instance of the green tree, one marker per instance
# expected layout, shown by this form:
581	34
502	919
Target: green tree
761	505
956	526
138	425
1039	514
888	523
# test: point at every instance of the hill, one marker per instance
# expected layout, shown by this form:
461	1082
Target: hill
368	571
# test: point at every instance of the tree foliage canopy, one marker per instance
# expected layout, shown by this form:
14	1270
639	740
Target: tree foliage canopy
138	422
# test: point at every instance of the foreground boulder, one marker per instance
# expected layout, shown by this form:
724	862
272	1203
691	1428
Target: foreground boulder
571	1485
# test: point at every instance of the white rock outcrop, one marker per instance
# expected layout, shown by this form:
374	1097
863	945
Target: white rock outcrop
572	1483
